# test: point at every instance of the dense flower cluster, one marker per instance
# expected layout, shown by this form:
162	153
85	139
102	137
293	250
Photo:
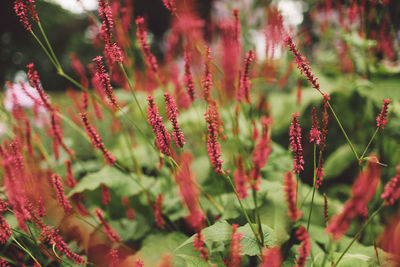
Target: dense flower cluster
21	8
244	88
108	230
392	189
213	146
199	245
105	82
290	191
305	246
188	78
295	143
141	34
381	120
235	253
61	197
172	114
271	257
315	133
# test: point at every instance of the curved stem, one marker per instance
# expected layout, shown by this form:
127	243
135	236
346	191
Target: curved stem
344	132
370	141
359	233
24	249
49	46
44	49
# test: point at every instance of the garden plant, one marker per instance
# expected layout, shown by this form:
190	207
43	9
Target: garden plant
210	153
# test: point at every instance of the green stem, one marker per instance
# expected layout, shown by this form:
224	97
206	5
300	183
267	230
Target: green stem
132	90
244	211
49	46
316	170
44	49
327	251
343	131
359	233
370	141
24	249
257	217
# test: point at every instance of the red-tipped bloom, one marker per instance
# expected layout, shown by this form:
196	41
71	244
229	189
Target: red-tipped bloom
244	89
172	113
392	189
170	5
108	230
271	257
241	179
57	134
21	8
5	230
302	64
188	78
105	195
79	69
96	140
163	138
157	209
261	153
325	120
295	143
35	81
112	50
69	179
207	79
305	246
199	245
213	146
61	197
290	192
315	133
235	253
381	120
105	83
141	34
363	191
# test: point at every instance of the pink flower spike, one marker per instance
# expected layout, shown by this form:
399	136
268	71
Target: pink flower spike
108	230
105	195
141	34
392	189
199	245
5	230
315	133
61	197
302	64
295	143
172	114
35	81
235	254
157	208
170	5
188	79
213	146
207	79
381	120
271	257
163	138
21	8
96	140
245	83
69	179
290	191
241	179
105	82
138	263
305	246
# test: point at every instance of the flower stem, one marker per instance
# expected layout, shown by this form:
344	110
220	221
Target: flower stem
370	141
343	131
314	183
49	46
257	217
44	49
359	233
24	249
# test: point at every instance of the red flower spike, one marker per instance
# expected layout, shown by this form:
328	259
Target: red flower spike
271	257
320	173
170	5
235	13
157	209
302	64
141	34
188	78
4	263
261	153
105	195
326	215
199	245
57	134
61	197
325	120
213	146
35	81
207	79
5	230
244	88
77	199
363	191
69	179
79	69
290	192
295	143
138	263
114	258
305	246
172	114
189	192
315	133
108	230
105	83
392	189
235	254
112	50
96	140
241	179
21	8
163	138
381	120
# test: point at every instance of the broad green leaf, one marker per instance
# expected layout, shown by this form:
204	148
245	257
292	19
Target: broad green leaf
249	241
338	161
122	184
193	261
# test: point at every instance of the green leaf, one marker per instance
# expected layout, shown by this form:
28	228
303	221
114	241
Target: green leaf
192	261
122	184
338	161
249	241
